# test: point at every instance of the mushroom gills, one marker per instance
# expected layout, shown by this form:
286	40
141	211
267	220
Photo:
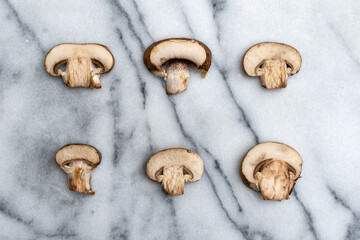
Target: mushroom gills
275	179
79	176
273	73
81	72
177	76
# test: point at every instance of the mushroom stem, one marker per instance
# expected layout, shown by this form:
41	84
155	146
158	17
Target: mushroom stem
177	77
80	179
275	179
173	180
273	73
80	72
95	77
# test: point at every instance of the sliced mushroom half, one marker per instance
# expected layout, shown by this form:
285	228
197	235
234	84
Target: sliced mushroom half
78	160
172	167
84	63
271	168
272	62
176	54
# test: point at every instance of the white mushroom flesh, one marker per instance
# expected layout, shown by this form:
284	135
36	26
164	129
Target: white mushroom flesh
81	61
173	167
78	160
271	168
273	73
275	180
272	62
79	176
177	77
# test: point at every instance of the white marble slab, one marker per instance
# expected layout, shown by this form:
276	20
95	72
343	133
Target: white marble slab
220	117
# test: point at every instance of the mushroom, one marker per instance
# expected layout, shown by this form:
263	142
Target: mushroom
78	160
84	63
272	62
173	167
271	168
175	54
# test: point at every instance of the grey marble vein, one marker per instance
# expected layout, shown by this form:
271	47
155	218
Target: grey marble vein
353	231
27	31
219	6
307	213
142	82
341	39
196	146
8	212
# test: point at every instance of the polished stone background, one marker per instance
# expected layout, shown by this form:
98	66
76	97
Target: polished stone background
220	117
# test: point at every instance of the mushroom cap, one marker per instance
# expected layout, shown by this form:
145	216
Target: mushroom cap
265	151
260	52
78	152
191	161
158	53
59	54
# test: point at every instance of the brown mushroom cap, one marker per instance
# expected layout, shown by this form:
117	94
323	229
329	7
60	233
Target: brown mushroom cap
59	54
258	53
158	53
268	150
190	160
78	152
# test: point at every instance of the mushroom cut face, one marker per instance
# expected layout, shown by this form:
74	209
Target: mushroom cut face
272	62
84	63
77	161
271	168
173	167
176	55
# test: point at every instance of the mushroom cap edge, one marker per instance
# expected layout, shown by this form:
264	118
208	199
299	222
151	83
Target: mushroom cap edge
51	64
248	178
195	166
203	68
250	70
61	157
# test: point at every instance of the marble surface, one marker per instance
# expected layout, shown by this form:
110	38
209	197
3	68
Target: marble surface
220	117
